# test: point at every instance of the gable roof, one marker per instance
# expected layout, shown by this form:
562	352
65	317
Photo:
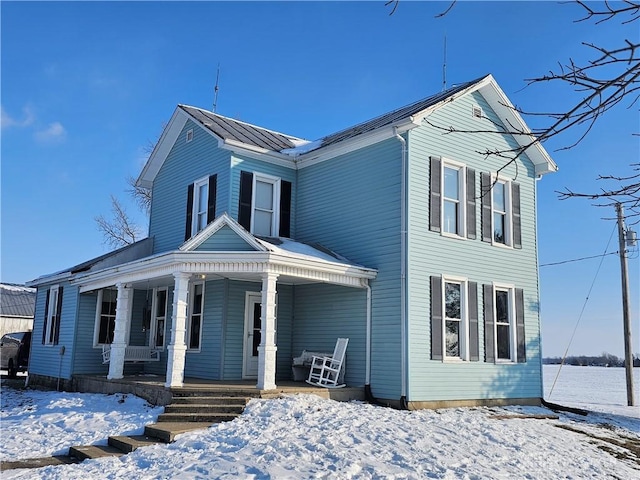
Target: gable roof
295	152
17	300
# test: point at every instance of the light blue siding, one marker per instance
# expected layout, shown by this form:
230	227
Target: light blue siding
186	163
87	360
225	240
430	253
351	204
324	313
47	359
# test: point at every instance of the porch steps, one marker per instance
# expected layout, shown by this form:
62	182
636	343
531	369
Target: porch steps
130	443
83	452
197	408
167	431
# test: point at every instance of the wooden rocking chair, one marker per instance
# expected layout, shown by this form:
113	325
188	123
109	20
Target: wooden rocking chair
325	371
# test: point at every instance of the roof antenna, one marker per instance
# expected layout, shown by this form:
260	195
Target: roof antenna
444	65
215	90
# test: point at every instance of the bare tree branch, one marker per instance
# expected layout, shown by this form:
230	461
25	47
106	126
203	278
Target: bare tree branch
120	230
141	195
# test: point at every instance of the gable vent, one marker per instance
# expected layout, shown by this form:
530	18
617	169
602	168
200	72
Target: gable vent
477	112
189	135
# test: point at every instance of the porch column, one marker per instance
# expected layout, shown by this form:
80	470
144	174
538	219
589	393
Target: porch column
267	348
177	348
122	326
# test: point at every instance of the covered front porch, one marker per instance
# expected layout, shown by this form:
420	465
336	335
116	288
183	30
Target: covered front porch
222	308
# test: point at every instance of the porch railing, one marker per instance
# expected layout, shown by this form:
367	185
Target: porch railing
133	353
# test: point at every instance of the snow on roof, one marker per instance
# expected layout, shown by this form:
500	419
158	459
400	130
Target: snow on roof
314	252
17	300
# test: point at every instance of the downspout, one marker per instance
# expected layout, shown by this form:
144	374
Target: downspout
367	374
403	271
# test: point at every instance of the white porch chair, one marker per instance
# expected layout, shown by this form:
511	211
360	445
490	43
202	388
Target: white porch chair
325	370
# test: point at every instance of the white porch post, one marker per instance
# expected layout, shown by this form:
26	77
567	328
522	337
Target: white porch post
122	325
267	348
177	348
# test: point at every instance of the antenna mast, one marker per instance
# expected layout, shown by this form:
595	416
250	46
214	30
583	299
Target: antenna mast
444	65
215	90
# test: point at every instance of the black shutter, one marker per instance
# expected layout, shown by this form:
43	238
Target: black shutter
522	354
285	209
515	208
56	333
471	203
474	346
436	318
187	228
435	194
46	313
485	191
488	323
211	198
244	207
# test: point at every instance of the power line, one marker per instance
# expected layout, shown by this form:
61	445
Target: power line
579	259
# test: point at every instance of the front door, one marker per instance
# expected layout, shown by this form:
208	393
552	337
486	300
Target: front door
252	326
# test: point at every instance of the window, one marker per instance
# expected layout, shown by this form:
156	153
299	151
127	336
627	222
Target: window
194	325
264	205
52	315
500	211
452	204
454	319
504	323
201	205
159	319
189	135
105	317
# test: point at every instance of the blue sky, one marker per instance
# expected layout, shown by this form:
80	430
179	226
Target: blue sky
86	86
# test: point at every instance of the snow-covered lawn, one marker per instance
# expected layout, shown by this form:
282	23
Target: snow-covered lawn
304	436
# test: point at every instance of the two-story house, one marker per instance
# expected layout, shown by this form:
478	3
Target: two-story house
393	233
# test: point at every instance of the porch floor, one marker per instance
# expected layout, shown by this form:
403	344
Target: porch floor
151	388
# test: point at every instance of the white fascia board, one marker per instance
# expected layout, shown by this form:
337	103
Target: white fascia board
216	225
355	143
503	107
49	279
162	148
263	154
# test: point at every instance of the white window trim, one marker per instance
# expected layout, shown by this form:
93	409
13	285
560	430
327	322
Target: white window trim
511	289
188	329
275	220
52	310
189	135
96	328
464	320
508	214
462	184
196	202
154	323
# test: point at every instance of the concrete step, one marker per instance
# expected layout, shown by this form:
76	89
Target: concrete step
204	392
167	431
211	400
38	462
204	408
197	417
84	452
130	443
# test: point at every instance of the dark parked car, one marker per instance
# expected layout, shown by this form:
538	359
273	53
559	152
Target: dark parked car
14	352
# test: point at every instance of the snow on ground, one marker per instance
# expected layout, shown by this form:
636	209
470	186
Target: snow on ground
37	423
303	436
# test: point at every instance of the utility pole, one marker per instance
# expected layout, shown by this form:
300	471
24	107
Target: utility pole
626	308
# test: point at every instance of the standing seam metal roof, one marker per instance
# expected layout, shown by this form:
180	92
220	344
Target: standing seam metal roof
229	129
17	300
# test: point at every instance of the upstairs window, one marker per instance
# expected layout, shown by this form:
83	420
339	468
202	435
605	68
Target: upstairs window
452	204
52	316
264	205
501	224
201	205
